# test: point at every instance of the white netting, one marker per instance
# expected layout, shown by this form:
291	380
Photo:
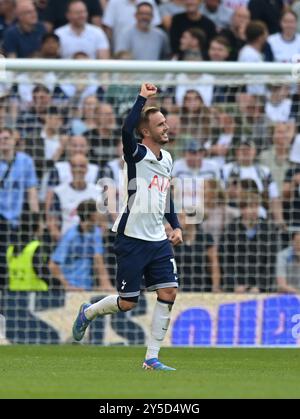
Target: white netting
69	124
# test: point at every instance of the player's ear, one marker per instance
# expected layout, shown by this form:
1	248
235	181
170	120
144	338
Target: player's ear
144	132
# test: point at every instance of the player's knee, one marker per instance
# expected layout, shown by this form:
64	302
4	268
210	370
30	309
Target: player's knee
167	294
126	305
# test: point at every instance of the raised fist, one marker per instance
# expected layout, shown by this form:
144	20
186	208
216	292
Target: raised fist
148	90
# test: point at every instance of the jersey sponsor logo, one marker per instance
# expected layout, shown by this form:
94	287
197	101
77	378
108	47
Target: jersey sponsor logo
161	184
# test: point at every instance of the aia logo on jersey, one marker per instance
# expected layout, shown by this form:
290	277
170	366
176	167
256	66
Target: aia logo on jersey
161	184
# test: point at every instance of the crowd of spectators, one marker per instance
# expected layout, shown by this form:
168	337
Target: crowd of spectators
241	142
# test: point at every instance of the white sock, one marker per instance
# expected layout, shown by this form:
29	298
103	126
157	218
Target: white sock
160	323
107	305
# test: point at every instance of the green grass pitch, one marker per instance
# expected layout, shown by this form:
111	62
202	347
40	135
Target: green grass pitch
76	371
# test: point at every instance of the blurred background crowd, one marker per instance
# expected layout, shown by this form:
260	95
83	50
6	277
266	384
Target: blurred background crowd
58	138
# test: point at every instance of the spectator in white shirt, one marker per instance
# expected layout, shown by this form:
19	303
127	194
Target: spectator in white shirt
286	44
256	36
142	40
68	196
78	35
278	106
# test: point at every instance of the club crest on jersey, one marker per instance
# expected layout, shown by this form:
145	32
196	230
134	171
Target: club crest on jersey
162	184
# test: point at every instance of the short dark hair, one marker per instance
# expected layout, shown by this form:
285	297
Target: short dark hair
48	36
86	209
40	88
7	129
254	30
144	3
222	40
249	185
71	2
144	118
199	34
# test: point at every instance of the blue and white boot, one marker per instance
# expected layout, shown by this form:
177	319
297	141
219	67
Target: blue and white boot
81	323
155	364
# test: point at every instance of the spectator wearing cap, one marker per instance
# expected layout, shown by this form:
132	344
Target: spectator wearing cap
78	35
248	249
191	18
143	41
121	14
56	10
23	39
217	13
245	167
189	172
288	266
78	260
286	43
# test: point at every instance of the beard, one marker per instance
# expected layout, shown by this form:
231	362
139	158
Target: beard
161	139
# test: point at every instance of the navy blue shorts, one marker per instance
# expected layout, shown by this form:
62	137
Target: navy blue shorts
143	262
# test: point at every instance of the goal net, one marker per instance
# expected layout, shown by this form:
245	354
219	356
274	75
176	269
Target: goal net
233	137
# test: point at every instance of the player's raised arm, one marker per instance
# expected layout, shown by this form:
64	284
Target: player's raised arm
128	139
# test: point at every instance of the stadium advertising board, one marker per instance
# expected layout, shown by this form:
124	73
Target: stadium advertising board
197	320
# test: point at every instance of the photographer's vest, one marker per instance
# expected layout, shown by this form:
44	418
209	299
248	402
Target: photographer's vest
22	276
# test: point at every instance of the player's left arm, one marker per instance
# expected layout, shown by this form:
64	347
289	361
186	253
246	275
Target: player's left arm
175	236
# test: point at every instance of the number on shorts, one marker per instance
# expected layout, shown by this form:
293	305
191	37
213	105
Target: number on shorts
174	265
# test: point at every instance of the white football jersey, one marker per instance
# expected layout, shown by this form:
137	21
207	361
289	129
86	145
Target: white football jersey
147	181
